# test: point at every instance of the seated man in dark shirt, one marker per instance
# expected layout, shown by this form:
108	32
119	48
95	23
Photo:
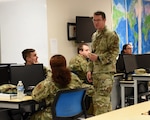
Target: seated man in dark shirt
121	67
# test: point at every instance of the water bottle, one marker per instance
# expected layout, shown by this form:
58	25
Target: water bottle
20	90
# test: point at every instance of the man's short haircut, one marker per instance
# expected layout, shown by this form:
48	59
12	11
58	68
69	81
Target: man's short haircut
100	13
26	53
80	47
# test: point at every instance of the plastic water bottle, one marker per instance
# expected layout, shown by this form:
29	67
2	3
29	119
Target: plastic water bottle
20	90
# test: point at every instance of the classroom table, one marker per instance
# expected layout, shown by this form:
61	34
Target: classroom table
133	112
116	94
133	83
26	104
137	78
124	84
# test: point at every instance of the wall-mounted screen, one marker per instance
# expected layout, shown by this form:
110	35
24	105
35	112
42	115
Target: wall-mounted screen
84	29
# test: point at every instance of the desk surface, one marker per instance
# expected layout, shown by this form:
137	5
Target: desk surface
15	103
127	81
138	75
118	74
132	112
26	98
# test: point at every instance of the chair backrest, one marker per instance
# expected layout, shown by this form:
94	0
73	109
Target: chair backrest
69	104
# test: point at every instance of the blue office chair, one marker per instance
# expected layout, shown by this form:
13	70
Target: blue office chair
69	104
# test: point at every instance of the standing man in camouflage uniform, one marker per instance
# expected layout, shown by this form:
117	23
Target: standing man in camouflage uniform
102	65
78	64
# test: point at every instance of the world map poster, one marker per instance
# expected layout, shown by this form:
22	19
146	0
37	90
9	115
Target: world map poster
145	24
131	21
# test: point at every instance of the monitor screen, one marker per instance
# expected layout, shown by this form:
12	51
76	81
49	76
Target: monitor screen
120	67
30	75
4	74
130	63
143	61
84	29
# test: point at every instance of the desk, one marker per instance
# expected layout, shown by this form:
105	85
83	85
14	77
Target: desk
24	104
26	98
115	94
132	112
124	84
136	78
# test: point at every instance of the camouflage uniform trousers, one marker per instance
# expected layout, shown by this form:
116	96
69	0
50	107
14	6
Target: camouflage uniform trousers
103	83
44	114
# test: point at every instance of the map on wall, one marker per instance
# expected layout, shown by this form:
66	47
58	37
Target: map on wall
119	20
145	25
125	22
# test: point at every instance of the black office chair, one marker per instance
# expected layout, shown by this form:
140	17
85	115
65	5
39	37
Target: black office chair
69	104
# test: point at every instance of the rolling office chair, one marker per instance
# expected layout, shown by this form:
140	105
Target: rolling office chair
69	104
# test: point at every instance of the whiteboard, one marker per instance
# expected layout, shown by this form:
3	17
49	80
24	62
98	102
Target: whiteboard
23	24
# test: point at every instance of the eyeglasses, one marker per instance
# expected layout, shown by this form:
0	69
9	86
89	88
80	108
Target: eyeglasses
128	48
97	20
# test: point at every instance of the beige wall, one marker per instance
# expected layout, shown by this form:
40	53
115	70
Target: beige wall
62	11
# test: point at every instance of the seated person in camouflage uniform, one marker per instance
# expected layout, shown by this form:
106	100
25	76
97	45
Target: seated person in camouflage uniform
61	78
78	64
8	88
30	57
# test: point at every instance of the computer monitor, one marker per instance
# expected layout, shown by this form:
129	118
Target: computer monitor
130	63
30	75
4	74
120	67
143	61
84	29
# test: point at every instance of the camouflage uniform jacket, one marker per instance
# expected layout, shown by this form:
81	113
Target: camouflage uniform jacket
8	88
78	65
46	90
47	71
106	45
